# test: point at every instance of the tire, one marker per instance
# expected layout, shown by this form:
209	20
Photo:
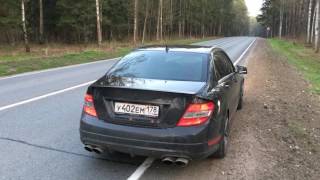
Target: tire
240	103
223	144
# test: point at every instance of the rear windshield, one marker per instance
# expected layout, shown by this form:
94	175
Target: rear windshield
180	66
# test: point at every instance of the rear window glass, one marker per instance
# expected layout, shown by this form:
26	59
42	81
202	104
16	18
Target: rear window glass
180	66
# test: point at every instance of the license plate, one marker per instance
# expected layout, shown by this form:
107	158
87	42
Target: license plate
137	109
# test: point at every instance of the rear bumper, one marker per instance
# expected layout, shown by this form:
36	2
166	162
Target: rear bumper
184	142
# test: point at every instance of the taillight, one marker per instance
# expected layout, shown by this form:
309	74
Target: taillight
196	114
88	105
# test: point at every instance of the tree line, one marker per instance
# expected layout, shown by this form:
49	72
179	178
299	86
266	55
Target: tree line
84	21
292	18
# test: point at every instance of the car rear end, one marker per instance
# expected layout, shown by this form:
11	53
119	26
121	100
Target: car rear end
150	117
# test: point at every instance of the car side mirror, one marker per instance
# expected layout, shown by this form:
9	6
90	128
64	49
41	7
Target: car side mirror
242	70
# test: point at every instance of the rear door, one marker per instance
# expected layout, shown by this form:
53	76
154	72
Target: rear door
225	75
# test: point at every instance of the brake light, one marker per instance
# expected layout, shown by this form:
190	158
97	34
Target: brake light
196	114
88	105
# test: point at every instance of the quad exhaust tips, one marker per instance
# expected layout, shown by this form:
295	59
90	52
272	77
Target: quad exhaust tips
182	162
93	149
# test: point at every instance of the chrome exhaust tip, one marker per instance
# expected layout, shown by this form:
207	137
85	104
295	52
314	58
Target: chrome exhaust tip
97	150
168	160
88	148
182	162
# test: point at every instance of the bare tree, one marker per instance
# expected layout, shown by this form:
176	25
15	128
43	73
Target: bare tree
204	6
145	21
41	39
100	11
313	25
24	28
135	24
159	21
317	27
99	34
309	22
183	29
171	17
180	18
281	18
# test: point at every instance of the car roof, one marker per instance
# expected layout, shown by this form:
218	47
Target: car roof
178	48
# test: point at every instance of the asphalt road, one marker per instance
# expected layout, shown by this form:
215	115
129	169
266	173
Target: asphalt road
39	121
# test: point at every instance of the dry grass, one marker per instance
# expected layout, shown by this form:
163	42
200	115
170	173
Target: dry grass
59	49
15	60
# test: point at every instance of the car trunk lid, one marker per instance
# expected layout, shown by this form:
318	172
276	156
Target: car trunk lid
172	98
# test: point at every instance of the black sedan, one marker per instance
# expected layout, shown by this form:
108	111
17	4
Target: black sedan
168	102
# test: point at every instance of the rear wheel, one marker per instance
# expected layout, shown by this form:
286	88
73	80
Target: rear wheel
223	145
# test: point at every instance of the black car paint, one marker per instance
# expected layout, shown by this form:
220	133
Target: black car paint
108	131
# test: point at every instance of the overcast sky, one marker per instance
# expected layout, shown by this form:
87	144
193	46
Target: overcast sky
254	6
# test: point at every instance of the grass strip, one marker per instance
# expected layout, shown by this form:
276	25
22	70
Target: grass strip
301	57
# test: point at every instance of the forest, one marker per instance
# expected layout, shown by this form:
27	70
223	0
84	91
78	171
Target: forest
294	19
95	21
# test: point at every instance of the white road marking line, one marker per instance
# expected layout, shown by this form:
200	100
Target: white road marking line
244	52
44	96
55	69
141	169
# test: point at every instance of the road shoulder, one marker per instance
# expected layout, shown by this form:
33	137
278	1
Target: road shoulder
275	136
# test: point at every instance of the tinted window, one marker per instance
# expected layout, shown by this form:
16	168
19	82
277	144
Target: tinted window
223	66
217	69
228	63
182	66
